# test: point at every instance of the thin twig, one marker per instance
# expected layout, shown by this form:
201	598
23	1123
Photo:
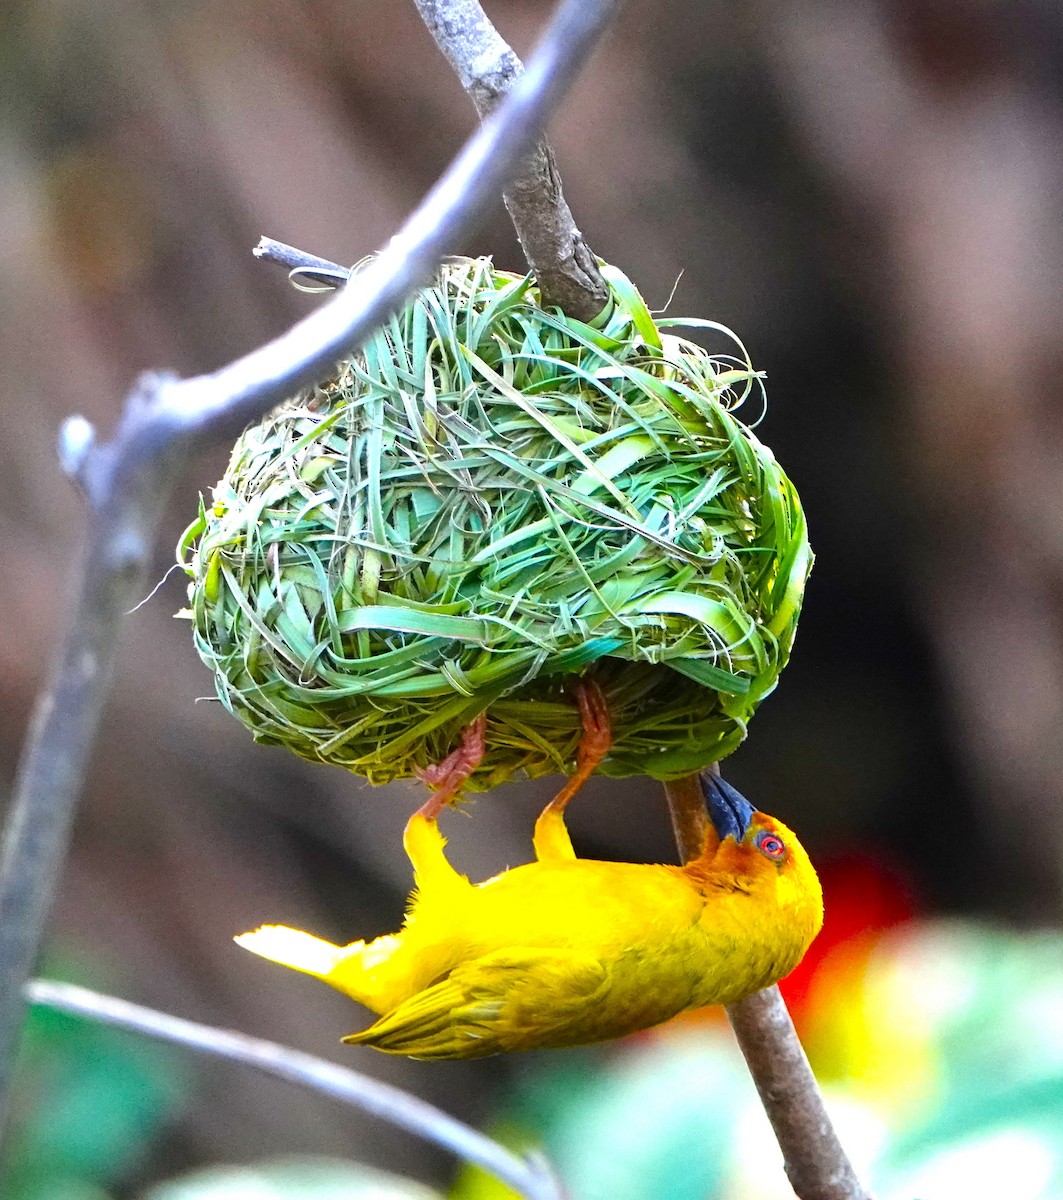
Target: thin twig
690	820
563	264
530	1176
128	480
816	1164
322	271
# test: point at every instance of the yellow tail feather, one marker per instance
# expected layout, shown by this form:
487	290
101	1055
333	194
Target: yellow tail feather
365	971
294	948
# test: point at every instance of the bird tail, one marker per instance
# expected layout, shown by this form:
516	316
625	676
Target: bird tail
350	969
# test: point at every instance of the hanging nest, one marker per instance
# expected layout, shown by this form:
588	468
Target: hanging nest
486	501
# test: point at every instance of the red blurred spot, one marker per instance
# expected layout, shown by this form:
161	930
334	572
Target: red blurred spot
863	894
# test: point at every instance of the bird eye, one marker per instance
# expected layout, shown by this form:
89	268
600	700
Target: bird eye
770	846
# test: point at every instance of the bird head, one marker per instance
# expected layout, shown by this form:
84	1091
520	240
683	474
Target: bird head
750	852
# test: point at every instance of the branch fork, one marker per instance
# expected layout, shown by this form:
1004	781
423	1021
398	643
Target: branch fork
128	479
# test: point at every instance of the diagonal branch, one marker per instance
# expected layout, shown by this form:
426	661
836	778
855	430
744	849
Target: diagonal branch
816	1163
530	1176
563	264
128	481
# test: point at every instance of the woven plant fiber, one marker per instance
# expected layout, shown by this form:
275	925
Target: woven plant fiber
485	502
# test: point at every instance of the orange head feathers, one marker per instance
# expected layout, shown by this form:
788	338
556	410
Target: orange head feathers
565	950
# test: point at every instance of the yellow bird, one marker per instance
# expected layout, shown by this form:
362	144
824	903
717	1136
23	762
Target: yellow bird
568	950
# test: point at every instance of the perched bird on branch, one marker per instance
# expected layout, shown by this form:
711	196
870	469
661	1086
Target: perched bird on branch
567	950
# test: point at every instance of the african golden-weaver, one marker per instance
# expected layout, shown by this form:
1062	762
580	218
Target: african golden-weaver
568	950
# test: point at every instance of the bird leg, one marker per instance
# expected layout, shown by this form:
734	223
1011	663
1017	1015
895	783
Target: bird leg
551	839
446	777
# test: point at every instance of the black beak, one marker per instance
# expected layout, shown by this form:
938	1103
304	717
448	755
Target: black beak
729	810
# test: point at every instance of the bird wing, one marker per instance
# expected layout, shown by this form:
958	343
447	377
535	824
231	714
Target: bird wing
511	999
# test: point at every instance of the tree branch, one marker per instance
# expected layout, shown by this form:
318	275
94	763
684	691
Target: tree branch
816	1164
563	264
690	820
128	481
530	1176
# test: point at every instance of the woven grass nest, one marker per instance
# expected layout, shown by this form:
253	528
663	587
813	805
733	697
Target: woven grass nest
486	501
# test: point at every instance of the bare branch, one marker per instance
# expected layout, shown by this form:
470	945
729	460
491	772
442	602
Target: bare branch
816	1164
563	264
690	821
129	479
531	1176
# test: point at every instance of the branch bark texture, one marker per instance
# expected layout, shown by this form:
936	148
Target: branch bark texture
128	480
690	820
530	1176
816	1163
563	264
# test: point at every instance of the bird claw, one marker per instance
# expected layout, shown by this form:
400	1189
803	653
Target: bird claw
446	777
597	737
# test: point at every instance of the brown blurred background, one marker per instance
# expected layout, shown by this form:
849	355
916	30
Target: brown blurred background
869	192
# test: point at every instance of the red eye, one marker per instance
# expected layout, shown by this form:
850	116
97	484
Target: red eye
770	846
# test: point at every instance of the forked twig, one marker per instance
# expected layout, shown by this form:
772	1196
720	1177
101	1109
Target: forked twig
128	480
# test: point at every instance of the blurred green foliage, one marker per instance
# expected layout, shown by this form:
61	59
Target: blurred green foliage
292	1179
90	1103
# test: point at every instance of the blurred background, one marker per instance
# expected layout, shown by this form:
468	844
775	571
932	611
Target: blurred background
870	193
